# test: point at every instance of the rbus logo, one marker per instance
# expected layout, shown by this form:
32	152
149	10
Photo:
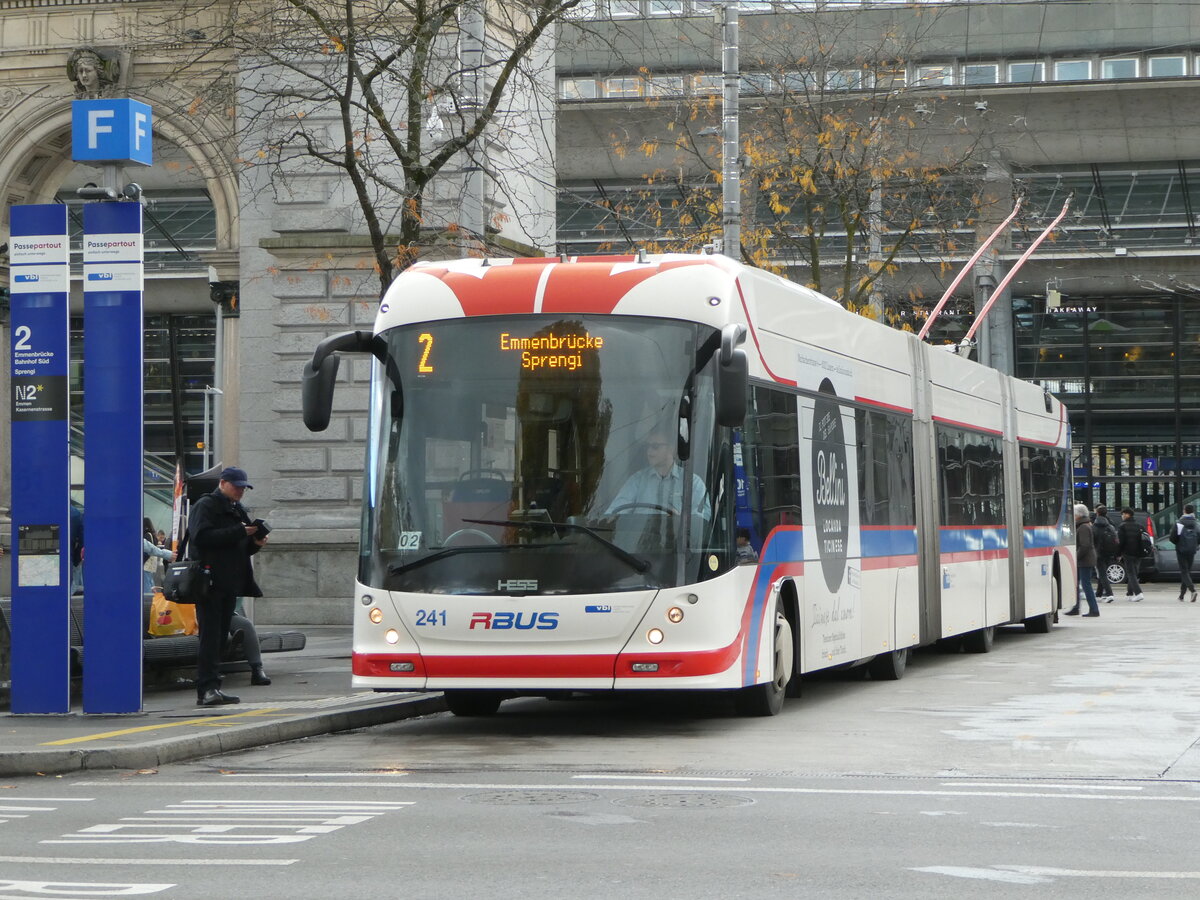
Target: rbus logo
501	621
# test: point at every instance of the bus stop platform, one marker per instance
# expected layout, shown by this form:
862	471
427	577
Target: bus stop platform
309	695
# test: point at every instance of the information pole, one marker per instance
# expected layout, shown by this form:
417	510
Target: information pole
115	133
41	458
112	427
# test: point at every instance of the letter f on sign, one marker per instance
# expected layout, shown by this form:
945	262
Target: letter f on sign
139	129
95	129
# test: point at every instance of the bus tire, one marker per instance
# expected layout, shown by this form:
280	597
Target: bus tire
979	641
1039	624
889	666
767	699
473	703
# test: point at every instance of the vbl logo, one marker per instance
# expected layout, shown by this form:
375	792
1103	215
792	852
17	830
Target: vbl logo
100	276
27	279
501	621
26	391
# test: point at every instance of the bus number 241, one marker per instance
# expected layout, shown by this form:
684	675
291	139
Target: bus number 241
427	617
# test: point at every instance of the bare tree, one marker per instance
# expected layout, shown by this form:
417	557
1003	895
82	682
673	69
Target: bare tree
393	96
846	170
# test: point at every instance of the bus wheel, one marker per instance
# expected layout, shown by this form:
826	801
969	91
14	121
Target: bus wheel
979	641
889	666
473	703
767	699
1039	624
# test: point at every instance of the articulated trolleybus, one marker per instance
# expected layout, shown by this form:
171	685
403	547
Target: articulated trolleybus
677	472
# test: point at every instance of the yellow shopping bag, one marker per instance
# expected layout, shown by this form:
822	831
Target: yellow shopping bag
168	618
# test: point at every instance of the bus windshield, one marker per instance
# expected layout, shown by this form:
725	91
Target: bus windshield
540	455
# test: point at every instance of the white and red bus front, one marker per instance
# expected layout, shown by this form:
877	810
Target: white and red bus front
502	545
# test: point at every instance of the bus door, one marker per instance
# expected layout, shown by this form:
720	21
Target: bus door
832	618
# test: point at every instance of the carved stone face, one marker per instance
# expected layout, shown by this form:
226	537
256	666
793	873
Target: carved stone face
87	73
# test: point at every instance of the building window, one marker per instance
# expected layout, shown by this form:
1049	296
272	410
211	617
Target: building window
587	9
981	73
1072	70
664	7
623	87
932	76
1119	68
665	86
624	9
843	79
797	82
757	83
1025	72
578	89
707	84
1167	66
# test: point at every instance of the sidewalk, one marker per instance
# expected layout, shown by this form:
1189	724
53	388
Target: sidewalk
309	694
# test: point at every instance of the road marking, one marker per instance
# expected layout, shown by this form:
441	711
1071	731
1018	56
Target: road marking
983	874
233	822
654	778
1100	873
206	720
66	889
1044	874
1048	787
740	789
175	861
315	775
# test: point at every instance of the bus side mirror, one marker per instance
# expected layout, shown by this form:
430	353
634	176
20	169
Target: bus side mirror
733	378
733	381
320	373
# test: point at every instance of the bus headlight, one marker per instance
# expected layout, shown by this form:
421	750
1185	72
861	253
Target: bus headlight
675	615
375	615
654	636
392	636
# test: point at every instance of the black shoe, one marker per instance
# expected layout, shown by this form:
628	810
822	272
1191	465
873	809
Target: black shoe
1073	611
258	676
215	698
1091	615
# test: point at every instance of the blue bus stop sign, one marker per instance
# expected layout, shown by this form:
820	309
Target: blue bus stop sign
111	131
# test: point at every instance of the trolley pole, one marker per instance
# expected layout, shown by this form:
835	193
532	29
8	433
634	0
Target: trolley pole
731	169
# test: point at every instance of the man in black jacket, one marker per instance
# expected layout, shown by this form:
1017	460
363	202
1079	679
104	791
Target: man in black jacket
223	538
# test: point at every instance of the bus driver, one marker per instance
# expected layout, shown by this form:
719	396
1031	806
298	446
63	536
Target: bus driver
659	486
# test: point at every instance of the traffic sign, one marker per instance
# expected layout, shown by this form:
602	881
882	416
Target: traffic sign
113	131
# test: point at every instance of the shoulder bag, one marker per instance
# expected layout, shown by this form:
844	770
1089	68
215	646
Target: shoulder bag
186	581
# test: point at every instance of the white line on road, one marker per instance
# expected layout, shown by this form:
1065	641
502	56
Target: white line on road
739	789
1046	787
1098	873
654	778
315	775
983	874
170	861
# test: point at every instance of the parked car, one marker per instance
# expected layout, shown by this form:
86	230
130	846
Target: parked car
1148	565
1167	562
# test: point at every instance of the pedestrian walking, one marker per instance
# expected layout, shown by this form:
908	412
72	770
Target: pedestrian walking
1107	550
224	538
1130	535
1085	561
1185	537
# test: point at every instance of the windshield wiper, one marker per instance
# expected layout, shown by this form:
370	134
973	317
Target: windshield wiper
441	554
634	562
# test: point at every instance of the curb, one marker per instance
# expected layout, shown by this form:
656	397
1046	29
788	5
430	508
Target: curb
195	746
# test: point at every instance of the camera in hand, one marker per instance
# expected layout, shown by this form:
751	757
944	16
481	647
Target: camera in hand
263	530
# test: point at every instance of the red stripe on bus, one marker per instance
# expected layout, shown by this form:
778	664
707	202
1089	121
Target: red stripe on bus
882	405
596	665
502	290
888	562
973	556
1040	551
380	664
590	287
754	337
968	425
680	665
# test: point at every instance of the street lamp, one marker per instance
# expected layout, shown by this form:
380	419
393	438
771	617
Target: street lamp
725	14
209	390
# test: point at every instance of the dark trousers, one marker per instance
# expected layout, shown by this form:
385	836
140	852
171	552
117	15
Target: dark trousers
1085	584
1185	571
1102	583
213	616
1133	587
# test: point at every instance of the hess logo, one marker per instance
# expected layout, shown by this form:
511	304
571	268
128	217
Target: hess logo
522	621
